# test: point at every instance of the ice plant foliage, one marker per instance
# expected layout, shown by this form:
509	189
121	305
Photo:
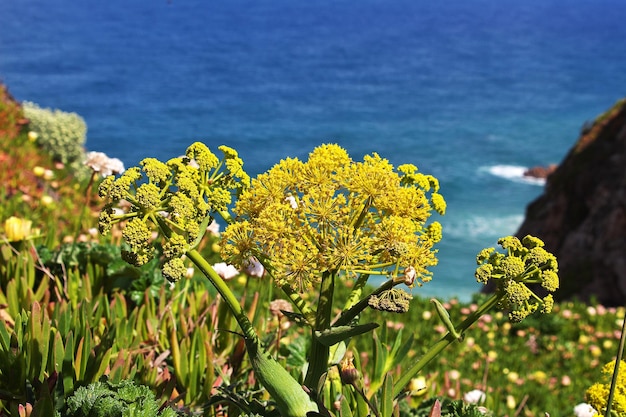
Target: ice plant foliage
333	215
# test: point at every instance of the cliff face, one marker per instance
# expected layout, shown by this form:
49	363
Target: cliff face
581	216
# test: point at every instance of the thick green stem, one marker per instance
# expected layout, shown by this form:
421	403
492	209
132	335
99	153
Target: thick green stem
357	290
249	334
318	359
291	399
438	347
301	305
618	359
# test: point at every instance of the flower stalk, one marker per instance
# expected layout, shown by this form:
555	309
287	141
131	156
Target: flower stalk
291	399
615	376
439	346
318	359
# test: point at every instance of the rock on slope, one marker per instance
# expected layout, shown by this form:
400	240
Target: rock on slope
581	215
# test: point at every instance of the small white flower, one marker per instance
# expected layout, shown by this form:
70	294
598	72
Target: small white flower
474	397
192	162
101	163
48	174
292	201
254	268
584	410
214	228
278	306
225	271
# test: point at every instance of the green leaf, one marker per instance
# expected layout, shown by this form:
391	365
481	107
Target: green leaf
344	410
44	407
68	364
104	363
12	298
297	318
403	351
64	319
338	334
386	401
5	338
34	346
45	343
58	352
337	352
42	288
297	352
380	356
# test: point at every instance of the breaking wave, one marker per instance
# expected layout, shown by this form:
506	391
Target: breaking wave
513	173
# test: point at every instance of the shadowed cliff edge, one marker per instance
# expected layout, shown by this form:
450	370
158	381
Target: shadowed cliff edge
581	215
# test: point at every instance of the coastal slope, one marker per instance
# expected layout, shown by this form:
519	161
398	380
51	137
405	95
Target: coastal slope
581	215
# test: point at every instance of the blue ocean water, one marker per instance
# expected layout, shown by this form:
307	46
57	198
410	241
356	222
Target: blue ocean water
469	91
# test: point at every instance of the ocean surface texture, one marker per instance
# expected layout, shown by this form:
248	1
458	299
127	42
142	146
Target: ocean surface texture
469	91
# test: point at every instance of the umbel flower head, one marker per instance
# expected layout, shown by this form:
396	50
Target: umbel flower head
330	214
598	394
178	198
524	262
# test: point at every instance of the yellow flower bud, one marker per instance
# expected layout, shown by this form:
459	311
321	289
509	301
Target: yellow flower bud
512	376
39	171
595	351
510	402
417	384
540	376
46	200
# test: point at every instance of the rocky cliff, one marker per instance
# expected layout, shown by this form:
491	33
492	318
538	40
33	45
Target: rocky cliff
581	215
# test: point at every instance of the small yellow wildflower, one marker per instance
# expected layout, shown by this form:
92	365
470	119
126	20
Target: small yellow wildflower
417	385
597	395
17	229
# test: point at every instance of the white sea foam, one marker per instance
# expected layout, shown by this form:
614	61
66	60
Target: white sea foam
513	173
483	226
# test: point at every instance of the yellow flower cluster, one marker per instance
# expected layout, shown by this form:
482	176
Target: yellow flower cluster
178	197
525	262
330	214
598	393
